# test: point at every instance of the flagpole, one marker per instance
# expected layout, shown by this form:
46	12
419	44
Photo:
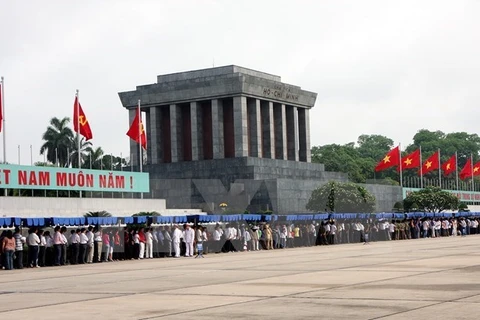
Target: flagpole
78	133
45	164
121	165
131	166
421	168
140	160
31	162
101	167
90	159
471	164
456	169
400	162
2	103
439	170
111	165
68	165
56	162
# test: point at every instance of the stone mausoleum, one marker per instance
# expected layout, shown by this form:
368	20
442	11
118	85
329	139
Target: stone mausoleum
228	135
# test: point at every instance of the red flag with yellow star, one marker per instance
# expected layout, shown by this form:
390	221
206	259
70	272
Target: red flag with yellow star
391	159
79	118
137	130
431	163
449	166
467	170
411	161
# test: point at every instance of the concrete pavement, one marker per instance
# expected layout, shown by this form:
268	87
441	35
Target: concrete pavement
425	279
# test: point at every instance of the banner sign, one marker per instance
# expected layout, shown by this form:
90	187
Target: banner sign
461	195
54	178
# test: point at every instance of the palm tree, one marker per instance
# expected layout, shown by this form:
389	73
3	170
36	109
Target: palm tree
58	138
85	147
97	214
94	158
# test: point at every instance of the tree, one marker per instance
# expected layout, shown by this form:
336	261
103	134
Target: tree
94	160
146	214
58	138
97	214
373	146
341	197
340	159
85	147
431	199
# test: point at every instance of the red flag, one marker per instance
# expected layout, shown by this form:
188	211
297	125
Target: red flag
431	163
1	105
391	159
476	169
411	161
82	120
467	170
137	131
450	165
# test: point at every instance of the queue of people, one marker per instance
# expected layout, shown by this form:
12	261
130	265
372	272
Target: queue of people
41	248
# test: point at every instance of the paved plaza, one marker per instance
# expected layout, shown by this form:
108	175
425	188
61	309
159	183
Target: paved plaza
423	279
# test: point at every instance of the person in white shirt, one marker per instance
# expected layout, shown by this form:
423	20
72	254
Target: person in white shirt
425	225
189	237
283	236
33	241
82	256
333	231
41	249
217	237
176	236
74	246
391	229
90	241
98	244
149	243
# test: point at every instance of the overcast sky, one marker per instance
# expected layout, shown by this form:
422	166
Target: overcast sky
379	67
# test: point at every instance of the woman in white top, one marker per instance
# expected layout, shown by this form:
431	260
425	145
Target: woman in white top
149	243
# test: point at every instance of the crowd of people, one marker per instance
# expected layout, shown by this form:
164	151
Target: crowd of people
61	246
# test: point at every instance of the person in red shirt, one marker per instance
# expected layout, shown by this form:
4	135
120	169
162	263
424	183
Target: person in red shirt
142	239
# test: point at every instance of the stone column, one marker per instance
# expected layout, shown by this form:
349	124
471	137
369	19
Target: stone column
175	133
217	129
155	138
255	128
268	130
292	133
196	123
304	135
280	132
134	153
240	126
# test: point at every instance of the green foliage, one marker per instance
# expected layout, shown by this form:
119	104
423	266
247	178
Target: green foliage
146	214
398	206
58	138
341	197
97	214
431	199
359	160
463	143
463	207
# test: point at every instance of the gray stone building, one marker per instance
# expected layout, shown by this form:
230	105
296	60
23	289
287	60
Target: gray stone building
228	135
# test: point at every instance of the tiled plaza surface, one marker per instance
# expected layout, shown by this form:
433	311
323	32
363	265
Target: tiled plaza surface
421	279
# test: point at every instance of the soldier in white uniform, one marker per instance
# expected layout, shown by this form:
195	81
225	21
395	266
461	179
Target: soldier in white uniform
176	236
189	237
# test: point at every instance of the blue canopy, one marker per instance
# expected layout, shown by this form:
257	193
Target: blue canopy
160	219
180	219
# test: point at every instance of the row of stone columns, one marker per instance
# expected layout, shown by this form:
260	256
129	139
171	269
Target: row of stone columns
225	128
